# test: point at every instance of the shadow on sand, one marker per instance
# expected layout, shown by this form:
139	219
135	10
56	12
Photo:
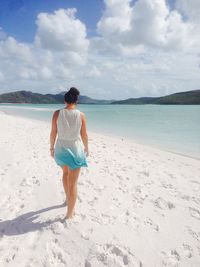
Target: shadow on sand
25	222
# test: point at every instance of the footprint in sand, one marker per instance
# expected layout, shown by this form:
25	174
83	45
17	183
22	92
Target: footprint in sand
9	258
166	185
93	201
108	219
188	250
195	182
146	173
163	204
130	219
111	255
194	234
25	183
86	235
100	189
195	213
171	258
55	255
185	197
37	182
196	200
150	223
95	219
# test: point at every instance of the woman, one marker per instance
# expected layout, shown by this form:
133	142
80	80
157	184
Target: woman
71	149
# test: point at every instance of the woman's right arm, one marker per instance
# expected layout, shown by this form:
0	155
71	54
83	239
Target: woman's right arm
84	135
53	133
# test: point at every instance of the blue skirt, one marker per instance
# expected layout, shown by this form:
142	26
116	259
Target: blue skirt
70	153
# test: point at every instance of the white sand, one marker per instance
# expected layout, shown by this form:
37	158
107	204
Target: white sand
137	206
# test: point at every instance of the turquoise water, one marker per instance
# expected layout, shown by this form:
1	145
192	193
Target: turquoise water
174	128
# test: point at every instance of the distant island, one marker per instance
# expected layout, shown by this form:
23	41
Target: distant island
181	98
36	98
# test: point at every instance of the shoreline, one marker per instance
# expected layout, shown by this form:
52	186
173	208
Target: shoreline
127	139
130	140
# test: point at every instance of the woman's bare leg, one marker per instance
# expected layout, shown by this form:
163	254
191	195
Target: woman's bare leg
73	179
66	181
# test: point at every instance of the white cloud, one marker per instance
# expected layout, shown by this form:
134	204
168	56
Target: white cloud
23	60
27	74
60	47
62	31
72	58
190	8
92	72
142	48
10	48
146	23
46	73
64	35
116	18
62	72
1	77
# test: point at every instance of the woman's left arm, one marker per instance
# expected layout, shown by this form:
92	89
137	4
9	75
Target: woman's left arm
53	133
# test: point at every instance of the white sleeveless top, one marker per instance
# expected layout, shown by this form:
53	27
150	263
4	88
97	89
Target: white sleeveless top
69	124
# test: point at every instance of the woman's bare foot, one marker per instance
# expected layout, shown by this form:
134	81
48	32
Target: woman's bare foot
67	217
70	216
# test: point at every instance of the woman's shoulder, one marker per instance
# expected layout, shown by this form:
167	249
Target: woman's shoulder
55	116
82	113
56	113
60	110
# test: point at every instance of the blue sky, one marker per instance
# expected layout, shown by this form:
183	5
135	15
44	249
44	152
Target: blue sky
108	49
17	17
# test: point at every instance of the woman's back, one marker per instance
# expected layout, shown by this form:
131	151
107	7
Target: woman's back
69	124
69	148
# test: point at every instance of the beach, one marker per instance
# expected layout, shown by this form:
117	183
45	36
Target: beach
137	205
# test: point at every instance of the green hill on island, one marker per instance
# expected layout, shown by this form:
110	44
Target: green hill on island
182	98
36	98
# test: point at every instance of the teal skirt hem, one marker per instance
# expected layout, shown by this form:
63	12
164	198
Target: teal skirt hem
69	158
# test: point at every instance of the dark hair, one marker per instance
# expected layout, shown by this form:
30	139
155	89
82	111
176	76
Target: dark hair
72	95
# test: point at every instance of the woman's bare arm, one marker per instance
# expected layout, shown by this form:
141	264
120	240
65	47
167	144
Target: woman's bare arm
53	133
84	135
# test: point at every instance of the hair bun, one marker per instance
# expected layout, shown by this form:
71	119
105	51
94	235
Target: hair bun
72	95
74	91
